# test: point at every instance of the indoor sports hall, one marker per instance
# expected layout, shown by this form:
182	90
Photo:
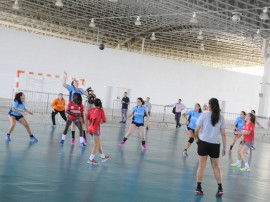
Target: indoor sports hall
134	100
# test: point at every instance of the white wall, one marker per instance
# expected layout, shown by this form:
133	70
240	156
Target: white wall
163	80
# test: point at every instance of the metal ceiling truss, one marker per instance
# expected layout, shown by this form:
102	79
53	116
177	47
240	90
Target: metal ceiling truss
226	44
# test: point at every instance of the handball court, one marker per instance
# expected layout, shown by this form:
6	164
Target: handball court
49	172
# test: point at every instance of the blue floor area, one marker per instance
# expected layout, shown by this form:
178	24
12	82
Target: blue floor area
49	172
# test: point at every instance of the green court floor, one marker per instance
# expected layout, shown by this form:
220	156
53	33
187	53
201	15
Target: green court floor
49	172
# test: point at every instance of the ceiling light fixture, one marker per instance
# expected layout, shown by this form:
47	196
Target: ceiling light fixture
138	21
153	37
16	5
200	36
193	19
92	23
236	17
264	15
59	3
202	47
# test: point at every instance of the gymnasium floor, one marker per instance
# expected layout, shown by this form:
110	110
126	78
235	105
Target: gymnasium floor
49	172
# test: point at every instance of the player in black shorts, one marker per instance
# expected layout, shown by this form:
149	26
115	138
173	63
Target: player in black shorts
209	126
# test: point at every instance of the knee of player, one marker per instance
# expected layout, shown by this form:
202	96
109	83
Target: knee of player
191	140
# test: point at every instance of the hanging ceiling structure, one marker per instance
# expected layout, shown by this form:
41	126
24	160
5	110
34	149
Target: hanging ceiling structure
223	42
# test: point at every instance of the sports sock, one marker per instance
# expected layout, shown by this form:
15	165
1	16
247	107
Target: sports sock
102	156
73	134
63	137
92	156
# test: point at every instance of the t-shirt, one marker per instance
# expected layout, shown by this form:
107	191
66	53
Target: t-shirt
58	104
239	122
248	126
193	116
148	106
73	90
126	100
208	132
78	109
138	114
20	107
178	107
95	116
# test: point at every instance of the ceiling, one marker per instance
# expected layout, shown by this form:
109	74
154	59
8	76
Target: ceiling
226	44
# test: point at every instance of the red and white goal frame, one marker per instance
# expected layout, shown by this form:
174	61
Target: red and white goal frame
19	73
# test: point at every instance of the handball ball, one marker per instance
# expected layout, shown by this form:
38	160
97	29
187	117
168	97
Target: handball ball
101	46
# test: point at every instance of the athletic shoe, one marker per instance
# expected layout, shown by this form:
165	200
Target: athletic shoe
8	138
62	142
85	140
219	192
72	141
122	142
33	140
83	144
143	146
252	148
245	169
105	159
185	154
93	162
199	191
236	165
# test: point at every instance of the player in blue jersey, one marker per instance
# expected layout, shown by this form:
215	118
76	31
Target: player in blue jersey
74	88
193	115
16	114
137	114
238	125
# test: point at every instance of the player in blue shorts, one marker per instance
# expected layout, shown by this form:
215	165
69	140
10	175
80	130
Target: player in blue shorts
74	88
191	124
137	114
16	114
238	125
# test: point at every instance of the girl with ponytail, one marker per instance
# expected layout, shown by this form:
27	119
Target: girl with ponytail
137	114
209	126
94	117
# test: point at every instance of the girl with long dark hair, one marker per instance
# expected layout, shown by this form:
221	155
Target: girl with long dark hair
247	143
16	114
137	114
75	112
209	126
191	124
94	117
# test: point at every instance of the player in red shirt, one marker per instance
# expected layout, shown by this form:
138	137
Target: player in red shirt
247	143
75	112
94	117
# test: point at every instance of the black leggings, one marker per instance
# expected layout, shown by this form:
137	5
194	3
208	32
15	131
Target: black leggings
77	123
62	113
